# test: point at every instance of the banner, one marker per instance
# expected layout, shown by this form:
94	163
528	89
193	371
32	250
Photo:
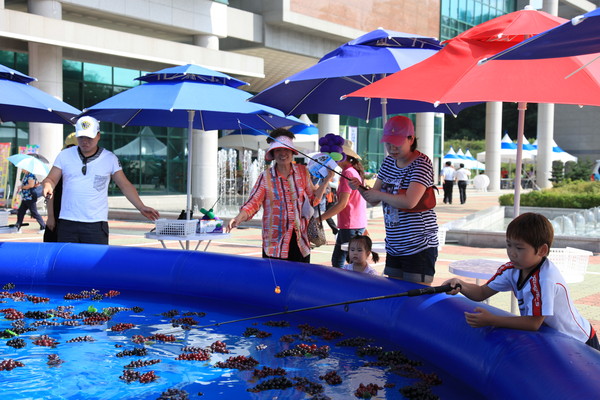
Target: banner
4	153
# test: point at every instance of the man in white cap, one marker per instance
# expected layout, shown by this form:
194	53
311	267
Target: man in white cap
86	170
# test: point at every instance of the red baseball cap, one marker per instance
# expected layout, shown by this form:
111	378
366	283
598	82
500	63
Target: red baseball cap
397	129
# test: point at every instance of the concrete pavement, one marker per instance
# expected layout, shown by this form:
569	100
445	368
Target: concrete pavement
247	242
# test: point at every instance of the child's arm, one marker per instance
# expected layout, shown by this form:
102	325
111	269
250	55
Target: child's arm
482	317
470	290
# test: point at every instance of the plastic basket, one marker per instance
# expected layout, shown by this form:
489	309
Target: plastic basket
176	227
4	218
571	262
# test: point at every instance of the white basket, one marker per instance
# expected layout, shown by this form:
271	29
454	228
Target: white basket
176	227
4	218
571	262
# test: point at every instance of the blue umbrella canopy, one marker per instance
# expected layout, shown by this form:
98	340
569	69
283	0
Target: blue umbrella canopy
21	102
31	163
358	63
188	96
581	35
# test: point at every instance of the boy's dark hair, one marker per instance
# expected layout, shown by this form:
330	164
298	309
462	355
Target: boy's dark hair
532	228
367	242
280	132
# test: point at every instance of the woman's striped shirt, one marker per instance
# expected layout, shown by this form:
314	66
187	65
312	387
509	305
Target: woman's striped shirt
407	232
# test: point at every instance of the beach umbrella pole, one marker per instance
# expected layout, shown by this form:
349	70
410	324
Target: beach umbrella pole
522	107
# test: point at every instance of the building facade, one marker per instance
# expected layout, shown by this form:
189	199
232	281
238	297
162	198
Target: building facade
85	51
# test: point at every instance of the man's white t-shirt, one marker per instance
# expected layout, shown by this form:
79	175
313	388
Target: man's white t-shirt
85	197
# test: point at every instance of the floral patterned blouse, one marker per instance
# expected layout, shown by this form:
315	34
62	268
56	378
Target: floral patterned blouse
282	199
26	193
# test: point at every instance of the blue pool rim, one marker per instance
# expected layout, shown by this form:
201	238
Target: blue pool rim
498	363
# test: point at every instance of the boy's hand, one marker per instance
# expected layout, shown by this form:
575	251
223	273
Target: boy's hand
480	318
455	283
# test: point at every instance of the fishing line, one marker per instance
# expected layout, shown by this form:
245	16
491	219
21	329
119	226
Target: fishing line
300	152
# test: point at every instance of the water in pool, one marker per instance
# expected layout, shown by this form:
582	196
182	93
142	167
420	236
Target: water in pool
139	353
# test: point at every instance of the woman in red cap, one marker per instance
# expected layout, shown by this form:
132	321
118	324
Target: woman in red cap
288	197
403	182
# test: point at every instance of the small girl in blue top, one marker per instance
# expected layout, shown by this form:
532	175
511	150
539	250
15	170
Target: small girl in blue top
28	201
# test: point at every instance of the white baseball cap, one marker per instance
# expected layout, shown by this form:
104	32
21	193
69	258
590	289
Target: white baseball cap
87	126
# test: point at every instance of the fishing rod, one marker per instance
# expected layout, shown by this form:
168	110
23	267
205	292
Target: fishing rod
300	152
410	293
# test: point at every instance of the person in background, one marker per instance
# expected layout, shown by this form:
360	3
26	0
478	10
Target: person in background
541	291
287	196
449	176
411	240
28	201
462	179
350	207
86	170
53	205
359	251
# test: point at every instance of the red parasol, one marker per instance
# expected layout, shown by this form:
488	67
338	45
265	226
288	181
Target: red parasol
454	75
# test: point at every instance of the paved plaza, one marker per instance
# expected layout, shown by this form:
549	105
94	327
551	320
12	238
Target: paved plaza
247	242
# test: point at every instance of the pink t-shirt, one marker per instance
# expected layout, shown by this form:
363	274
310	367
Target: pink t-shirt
354	215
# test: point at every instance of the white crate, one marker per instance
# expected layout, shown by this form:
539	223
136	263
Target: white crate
571	262
4	218
176	227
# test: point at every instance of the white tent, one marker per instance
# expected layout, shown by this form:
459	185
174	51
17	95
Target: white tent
508	152
307	139
558	154
146	144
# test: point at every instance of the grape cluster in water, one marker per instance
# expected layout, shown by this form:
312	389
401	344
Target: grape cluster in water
332	378
268	371
10	364
238	362
418	392
141	363
138	351
174	394
256	332
305	350
367	391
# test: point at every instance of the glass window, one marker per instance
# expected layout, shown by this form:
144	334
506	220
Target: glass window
97	73
72	70
125	77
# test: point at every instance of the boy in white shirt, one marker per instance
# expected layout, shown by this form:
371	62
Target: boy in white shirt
540	289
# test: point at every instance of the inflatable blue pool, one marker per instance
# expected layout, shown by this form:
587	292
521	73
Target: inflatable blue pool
498	363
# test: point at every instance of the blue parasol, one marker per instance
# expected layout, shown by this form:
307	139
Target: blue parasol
358	63
188	96
21	102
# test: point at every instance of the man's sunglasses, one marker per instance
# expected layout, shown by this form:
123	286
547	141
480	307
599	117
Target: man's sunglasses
84	168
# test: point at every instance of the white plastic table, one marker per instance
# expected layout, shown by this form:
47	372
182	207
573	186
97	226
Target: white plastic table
200	237
480	268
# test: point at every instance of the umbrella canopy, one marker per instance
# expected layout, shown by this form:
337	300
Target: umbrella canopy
459	77
30	162
581	35
356	64
21	102
188	96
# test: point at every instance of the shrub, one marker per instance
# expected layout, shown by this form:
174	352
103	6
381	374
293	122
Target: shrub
574	195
